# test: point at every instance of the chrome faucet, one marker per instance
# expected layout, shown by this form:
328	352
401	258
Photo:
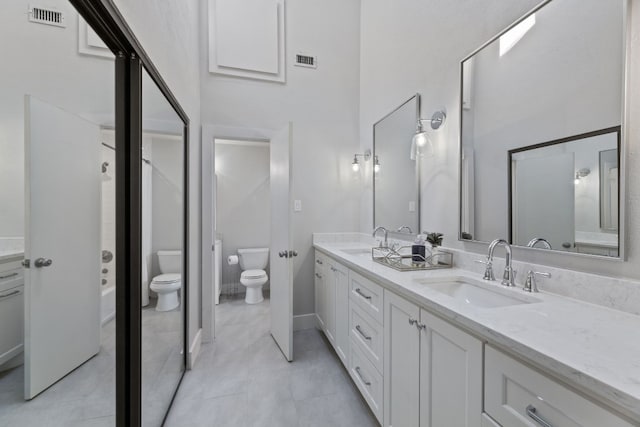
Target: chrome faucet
386	233
530	284
404	227
509	276
533	242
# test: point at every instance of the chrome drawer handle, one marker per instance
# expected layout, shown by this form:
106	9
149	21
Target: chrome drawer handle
413	321
9	275
365	336
318	276
367	383
333	268
9	294
359	292
318	262
533	414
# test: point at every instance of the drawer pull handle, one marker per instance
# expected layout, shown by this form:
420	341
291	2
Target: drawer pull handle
413	321
9	275
333	268
367	383
533	414
9	294
318	262
318	276
359	292
365	336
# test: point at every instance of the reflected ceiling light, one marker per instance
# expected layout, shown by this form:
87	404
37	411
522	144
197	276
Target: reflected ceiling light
513	36
376	165
581	174
355	165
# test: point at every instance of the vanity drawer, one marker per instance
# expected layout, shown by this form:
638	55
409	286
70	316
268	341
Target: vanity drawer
514	395
367	334
11	278
367	295
367	379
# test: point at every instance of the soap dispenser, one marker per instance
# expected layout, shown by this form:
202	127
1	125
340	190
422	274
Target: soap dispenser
418	249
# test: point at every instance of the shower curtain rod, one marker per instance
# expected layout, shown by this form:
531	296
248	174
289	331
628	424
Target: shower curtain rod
114	149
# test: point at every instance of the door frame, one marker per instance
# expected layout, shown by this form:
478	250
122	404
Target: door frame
130	62
211	132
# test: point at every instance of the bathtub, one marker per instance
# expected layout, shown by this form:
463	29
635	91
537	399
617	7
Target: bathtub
107	304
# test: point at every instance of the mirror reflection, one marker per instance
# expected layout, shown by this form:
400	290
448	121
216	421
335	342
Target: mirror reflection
541	113
396	179
57	221
162	253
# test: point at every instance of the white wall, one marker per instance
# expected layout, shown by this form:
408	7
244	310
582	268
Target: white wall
410	46
243	201
167	195
322	103
168	30
45	63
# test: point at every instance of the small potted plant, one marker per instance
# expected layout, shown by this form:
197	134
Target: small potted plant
435	239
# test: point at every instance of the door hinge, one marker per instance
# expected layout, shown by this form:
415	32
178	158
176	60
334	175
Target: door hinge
26	263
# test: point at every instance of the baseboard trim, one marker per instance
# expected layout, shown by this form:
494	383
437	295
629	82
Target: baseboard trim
194	350
304	321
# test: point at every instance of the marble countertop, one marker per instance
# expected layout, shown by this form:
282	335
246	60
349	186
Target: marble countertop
11	255
593	347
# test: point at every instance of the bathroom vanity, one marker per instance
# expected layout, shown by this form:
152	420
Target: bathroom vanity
11	307
444	347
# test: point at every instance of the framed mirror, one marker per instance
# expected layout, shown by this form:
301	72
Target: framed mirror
396	175
542	132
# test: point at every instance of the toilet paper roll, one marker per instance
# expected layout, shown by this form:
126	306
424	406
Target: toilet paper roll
232	259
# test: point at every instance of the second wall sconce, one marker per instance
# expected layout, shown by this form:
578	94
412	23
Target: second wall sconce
366	156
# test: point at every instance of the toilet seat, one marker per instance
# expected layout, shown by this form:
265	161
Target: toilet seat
253	274
166	278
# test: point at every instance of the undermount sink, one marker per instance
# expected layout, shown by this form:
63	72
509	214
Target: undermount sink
475	295
365	252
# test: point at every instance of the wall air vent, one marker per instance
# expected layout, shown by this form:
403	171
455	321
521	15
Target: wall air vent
48	16
306	61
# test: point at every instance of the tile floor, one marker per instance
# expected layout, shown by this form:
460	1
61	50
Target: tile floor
244	380
86	396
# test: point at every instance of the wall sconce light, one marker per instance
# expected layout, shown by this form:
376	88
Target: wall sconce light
420	138
376	165
356	164
581	174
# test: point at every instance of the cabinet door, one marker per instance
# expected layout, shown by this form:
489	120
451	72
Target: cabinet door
401	362
341	274
319	290
330	305
450	375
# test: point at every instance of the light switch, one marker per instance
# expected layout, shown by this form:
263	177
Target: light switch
297	205
412	206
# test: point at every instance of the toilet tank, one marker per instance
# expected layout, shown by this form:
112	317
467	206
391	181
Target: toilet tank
253	258
170	261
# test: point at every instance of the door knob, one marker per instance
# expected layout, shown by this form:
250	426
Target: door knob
283	254
42	262
292	254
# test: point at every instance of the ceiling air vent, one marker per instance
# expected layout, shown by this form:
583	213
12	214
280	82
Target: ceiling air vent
48	16
306	61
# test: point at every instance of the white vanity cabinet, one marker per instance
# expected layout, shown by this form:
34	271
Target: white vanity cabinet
11	311
517	395
433	370
332	303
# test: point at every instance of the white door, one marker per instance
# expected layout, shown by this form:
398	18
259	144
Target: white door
544	200
282	251
62	224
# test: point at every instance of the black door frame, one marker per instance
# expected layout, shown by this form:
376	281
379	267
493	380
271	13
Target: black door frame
104	18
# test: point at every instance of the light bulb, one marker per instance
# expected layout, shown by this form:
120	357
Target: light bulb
420	138
576	181
376	168
355	166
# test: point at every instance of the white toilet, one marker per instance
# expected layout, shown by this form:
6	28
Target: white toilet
253	261
168	284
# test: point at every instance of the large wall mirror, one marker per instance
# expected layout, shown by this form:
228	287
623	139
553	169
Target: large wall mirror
542	135
396	186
